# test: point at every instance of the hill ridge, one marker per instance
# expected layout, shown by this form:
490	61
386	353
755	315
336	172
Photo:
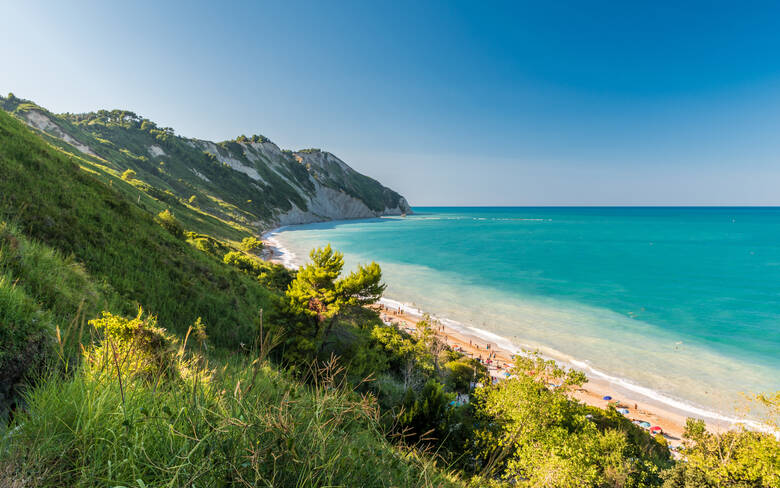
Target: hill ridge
249	181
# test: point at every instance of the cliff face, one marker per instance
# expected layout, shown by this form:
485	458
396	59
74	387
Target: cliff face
250	181
331	190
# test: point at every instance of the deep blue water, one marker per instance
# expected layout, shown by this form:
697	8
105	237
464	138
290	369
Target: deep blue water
685	301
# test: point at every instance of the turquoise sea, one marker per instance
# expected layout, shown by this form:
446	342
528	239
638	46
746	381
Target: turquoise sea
680	304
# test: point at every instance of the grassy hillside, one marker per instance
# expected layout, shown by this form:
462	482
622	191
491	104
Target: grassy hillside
135	260
246	183
208	412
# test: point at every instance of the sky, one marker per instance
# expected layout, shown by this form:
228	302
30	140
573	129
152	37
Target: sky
449	103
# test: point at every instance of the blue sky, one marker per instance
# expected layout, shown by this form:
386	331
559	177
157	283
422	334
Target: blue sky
461	103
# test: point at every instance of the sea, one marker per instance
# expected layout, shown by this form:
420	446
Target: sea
681	305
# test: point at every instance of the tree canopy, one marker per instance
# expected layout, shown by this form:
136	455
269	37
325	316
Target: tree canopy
320	292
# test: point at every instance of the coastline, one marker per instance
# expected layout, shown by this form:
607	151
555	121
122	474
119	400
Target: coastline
642	403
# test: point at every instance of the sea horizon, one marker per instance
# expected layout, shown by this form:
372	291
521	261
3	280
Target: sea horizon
570	329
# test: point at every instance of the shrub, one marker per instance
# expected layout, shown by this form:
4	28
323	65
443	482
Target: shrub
128	175
138	348
661	440
424	413
202	244
251	244
734	458
168	221
268	274
243	262
460	374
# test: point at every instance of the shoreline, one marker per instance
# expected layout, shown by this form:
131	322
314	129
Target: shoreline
642	403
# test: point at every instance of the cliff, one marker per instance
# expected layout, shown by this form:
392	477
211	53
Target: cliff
248	181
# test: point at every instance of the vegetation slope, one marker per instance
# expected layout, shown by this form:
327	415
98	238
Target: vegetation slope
248	182
71	246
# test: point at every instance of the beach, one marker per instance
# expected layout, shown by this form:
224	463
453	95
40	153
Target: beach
475	345
592	392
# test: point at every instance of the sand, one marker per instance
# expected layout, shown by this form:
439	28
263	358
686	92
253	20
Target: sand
591	393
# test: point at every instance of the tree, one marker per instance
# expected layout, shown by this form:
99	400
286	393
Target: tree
536	436
735	458
250	244
424	413
409	357
426	333
460	375
320	294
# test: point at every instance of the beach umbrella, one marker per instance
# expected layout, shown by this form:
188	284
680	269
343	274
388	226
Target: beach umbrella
656	430
646	425
607	398
624	411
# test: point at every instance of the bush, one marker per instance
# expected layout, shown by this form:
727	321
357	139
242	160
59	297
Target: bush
251	244
128	175
734	458
270	275
460	374
426	411
243	262
168	221
136	348
205	245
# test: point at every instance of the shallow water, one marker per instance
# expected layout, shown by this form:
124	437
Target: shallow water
684	302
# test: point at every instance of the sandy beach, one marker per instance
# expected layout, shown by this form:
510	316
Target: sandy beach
592	392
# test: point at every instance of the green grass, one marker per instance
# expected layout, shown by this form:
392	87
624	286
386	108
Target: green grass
119	244
144	409
234	431
40	291
26	340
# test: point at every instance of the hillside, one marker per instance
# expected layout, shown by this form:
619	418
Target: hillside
248	182
72	246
